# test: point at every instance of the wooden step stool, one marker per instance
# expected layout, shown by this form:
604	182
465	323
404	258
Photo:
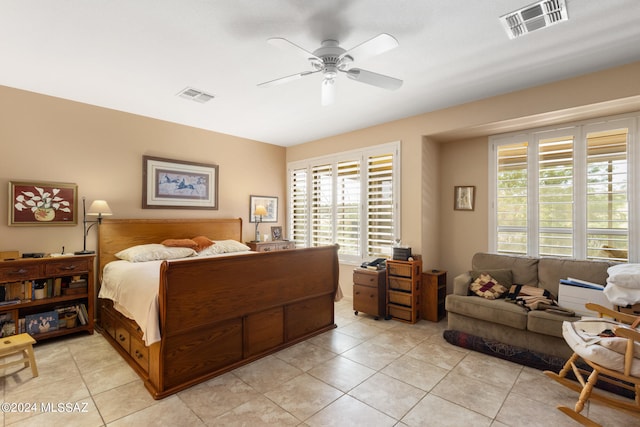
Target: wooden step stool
15	344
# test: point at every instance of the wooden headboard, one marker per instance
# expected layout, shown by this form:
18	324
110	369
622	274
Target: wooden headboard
115	235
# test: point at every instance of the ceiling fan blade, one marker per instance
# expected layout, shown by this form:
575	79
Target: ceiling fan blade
328	91
375	79
286	79
285	44
372	47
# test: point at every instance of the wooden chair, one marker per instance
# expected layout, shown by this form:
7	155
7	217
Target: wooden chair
624	375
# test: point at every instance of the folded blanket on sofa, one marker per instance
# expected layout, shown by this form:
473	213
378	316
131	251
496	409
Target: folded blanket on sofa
533	298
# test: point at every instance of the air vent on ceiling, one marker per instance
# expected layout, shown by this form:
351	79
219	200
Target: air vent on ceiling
534	17
195	95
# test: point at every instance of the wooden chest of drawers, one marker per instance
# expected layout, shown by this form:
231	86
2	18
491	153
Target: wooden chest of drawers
369	292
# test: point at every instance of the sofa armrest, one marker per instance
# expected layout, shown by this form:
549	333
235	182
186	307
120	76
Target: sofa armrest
461	284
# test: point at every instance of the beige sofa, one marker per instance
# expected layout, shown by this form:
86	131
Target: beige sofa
509	323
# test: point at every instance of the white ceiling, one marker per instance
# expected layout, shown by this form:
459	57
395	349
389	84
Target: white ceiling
135	56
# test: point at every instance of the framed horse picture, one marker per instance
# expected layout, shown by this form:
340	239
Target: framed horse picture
176	184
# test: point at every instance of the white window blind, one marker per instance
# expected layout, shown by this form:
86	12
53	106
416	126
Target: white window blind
511	200
566	192
607	188
351	199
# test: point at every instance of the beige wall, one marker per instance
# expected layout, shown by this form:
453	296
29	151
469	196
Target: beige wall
49	139
44	138
445	148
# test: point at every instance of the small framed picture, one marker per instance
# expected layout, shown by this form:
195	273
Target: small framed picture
270	205
276	233
464	197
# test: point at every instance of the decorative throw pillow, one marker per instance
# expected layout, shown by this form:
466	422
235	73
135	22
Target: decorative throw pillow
180	243
224	247
487	287
228	246
202	243
153	252
502	276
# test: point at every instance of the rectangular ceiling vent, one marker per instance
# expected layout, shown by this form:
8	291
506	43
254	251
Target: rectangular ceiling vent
534	17
195	95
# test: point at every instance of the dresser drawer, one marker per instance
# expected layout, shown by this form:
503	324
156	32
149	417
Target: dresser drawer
123	338
19	273
66	267
140	353
402	298
365	278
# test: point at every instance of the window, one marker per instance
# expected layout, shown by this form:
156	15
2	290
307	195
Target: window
565	192
350	199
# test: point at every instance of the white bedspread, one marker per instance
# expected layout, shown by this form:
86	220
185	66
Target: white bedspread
133	288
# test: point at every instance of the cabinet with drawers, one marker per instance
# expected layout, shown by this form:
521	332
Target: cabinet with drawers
403	289
47	297
369	292
434	292
275	245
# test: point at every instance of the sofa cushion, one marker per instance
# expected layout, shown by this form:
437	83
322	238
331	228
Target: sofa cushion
544	322
496	311
551	270
524	269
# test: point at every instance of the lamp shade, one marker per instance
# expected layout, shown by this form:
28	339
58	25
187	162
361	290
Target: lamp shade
99	207
260	211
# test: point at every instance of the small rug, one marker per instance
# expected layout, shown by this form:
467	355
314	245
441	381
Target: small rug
523	356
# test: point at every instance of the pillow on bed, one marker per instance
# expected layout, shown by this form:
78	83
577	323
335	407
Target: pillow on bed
181	243
224	247
153	252
202	243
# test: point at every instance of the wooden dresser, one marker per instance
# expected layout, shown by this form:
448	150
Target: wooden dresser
272	246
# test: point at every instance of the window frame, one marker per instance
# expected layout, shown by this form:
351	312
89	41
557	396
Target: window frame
579	130
362	155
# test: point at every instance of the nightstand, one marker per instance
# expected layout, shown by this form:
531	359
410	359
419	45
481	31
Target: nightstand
369	292
275	245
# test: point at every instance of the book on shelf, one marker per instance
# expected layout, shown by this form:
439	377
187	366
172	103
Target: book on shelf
81	315
80	283
57	286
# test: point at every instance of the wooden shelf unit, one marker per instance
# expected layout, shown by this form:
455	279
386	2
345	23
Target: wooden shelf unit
434	291
403	289
20	273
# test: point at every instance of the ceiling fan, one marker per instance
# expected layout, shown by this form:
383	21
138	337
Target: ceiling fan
330	59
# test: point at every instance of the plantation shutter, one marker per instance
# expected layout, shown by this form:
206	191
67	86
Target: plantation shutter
511	200
380	205
321	205
607	204
555	196
298	209
348	221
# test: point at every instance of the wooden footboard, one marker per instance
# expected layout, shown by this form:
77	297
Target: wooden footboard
221	313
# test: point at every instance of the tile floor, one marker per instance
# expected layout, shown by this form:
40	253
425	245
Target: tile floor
364	373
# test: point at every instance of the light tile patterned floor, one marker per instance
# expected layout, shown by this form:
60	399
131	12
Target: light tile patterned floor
364	373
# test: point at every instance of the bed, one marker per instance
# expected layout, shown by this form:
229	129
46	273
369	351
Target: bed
216	313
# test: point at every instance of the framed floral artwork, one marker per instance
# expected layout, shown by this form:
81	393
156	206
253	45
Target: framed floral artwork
43	203
269	203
